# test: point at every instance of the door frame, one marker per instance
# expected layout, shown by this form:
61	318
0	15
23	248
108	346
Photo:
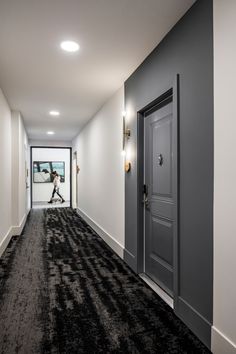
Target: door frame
174	93
75	182
31	168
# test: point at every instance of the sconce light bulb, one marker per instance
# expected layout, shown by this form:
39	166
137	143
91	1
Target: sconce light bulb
123	114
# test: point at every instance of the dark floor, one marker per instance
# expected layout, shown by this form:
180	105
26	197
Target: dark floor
62	290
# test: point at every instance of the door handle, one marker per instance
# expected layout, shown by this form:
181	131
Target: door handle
160	160
145	201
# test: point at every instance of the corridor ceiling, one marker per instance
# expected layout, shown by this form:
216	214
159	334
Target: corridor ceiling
36	76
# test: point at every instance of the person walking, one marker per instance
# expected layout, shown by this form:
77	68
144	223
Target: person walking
56	184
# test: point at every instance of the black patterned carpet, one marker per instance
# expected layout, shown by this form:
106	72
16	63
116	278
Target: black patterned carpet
62	290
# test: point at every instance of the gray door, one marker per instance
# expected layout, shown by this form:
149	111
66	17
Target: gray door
159	207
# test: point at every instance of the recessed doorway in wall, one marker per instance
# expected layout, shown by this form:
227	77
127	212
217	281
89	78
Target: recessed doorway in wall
44	162
158	184
75	171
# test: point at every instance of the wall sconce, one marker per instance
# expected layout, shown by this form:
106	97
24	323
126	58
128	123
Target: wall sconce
126	135
126	132
127	166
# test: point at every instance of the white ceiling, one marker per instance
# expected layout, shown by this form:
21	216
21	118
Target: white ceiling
114	35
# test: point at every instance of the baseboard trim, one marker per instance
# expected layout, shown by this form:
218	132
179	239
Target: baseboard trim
130	259
115	245
17	230
5	241
221	344
200	326
13	231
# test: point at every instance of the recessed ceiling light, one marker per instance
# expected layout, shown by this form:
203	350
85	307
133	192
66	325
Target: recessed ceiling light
54	113
70	46
50	133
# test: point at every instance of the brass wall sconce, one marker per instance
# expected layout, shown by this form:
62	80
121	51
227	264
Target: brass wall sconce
126	135
127	166
126	132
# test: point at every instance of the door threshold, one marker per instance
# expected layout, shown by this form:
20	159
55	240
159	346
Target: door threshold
159	291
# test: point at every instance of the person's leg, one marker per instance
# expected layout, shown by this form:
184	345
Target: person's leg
53	193
62	199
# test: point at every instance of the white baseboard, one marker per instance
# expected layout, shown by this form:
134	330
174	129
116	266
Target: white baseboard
17	230
5	241
115	245
220	344
13	231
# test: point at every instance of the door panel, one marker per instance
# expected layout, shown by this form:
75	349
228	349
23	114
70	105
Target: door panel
161	179
162	242
160	208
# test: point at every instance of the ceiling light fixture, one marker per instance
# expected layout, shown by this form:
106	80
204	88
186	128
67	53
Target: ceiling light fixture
70	46
50	133
54	113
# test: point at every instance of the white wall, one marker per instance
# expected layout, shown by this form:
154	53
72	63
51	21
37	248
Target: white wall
5	175
20	163
23	166
224	330
15	166
13	155
42	191
101	176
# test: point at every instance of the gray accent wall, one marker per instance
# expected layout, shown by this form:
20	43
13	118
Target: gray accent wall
187	50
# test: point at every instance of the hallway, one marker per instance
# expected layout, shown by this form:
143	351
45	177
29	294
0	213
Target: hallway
117	137
62	290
